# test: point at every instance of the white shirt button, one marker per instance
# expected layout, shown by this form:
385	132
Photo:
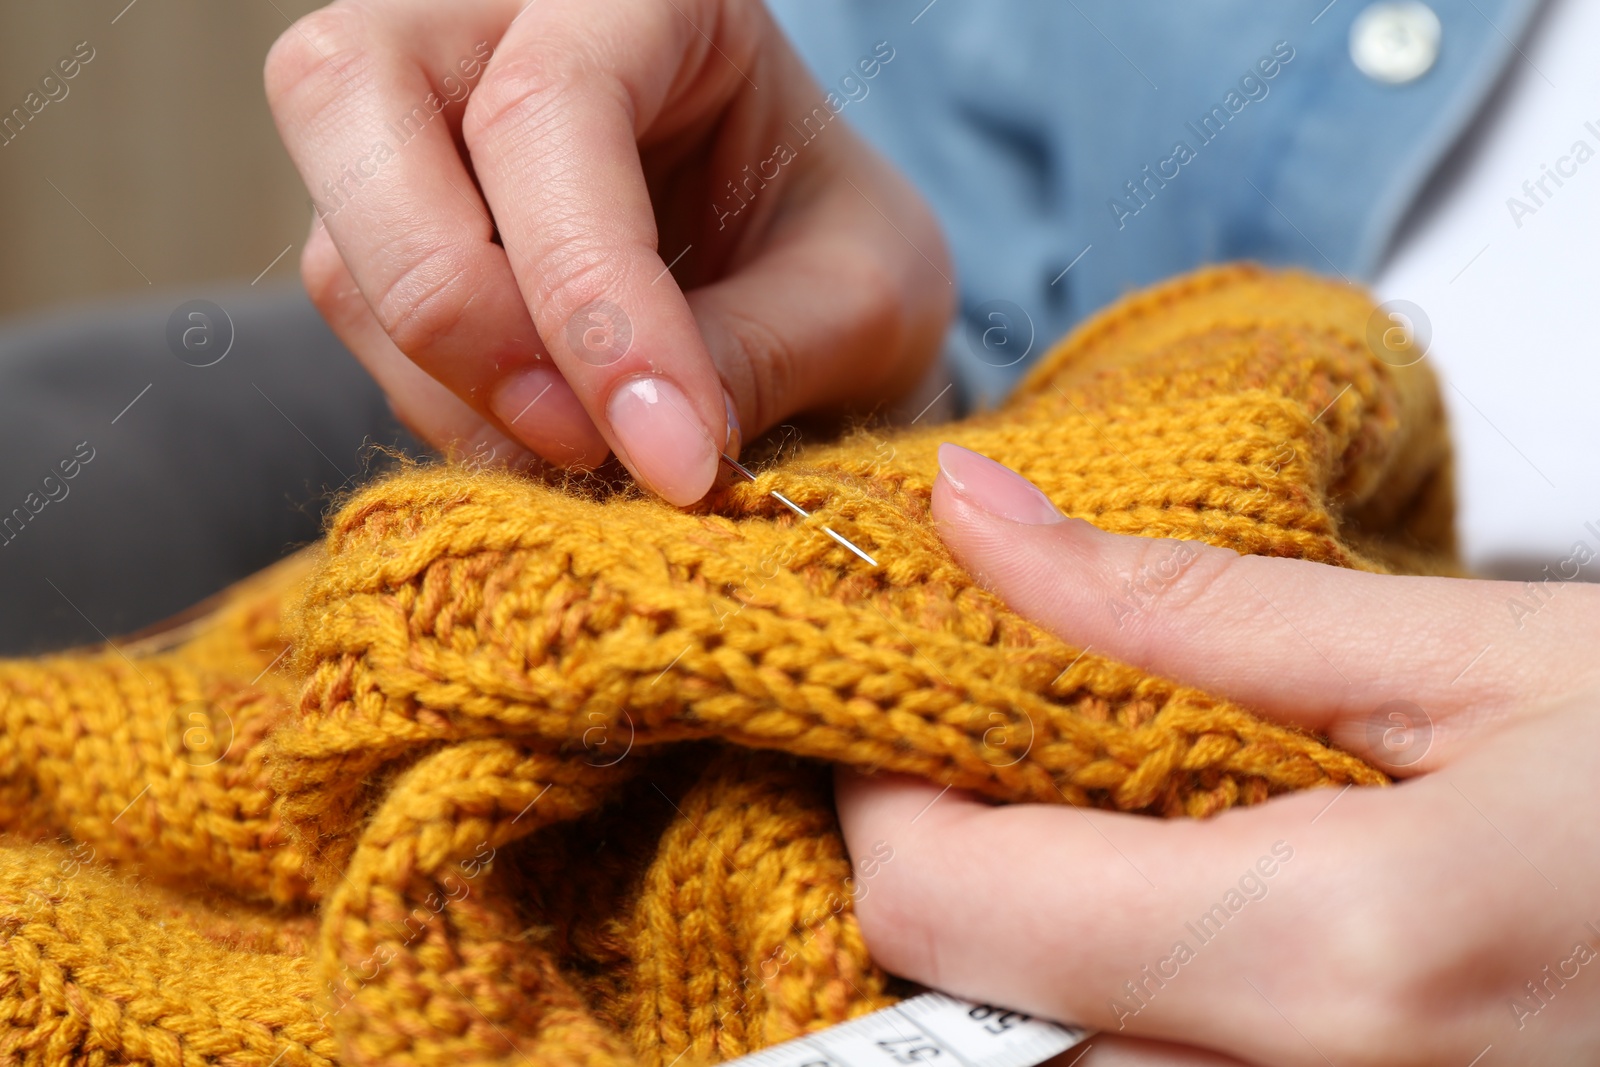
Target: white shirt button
1395	42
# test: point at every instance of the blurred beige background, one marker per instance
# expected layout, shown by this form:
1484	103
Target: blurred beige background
163	142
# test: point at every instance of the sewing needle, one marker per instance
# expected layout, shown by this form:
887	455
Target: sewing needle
797	509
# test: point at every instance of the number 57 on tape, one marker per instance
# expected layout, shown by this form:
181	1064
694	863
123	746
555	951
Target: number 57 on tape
934	1030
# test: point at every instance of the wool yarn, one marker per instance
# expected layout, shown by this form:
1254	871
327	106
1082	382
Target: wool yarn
505	771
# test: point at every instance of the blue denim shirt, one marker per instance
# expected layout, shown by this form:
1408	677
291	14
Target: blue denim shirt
1101	136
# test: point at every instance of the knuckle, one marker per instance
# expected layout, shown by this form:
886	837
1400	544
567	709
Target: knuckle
911	329
427	301
1383	971
316	59
522	93
1206	576
938	249
882	287
1385	1015
323	273
571	271
878	295
774	368
1183	575
928	265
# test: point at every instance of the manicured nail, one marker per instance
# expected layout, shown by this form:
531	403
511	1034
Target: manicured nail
664	442
735	434
994	488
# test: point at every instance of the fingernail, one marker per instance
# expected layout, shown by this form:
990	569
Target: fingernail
994	488
735	434
516	399
665	443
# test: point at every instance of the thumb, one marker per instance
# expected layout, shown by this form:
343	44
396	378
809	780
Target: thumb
1316	646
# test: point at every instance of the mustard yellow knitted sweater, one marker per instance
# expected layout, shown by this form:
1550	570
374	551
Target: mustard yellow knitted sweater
504	772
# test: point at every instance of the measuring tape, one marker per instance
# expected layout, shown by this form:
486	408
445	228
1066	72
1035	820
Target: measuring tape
932	1029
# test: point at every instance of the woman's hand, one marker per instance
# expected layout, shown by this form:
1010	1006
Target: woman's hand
644	228
1454	916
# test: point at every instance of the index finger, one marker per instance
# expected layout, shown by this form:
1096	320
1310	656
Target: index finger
553	131
369	121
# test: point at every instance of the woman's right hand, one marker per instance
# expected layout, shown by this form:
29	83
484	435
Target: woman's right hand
578	226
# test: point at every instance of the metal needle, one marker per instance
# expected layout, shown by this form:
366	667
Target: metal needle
798	510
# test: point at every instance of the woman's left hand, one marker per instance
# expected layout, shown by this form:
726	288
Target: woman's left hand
1452	919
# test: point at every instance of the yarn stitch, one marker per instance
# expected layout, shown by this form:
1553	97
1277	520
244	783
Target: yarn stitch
543	773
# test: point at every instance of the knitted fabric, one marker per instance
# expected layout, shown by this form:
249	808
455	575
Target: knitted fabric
509	772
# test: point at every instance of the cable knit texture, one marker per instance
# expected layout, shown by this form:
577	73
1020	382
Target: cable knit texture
508	772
